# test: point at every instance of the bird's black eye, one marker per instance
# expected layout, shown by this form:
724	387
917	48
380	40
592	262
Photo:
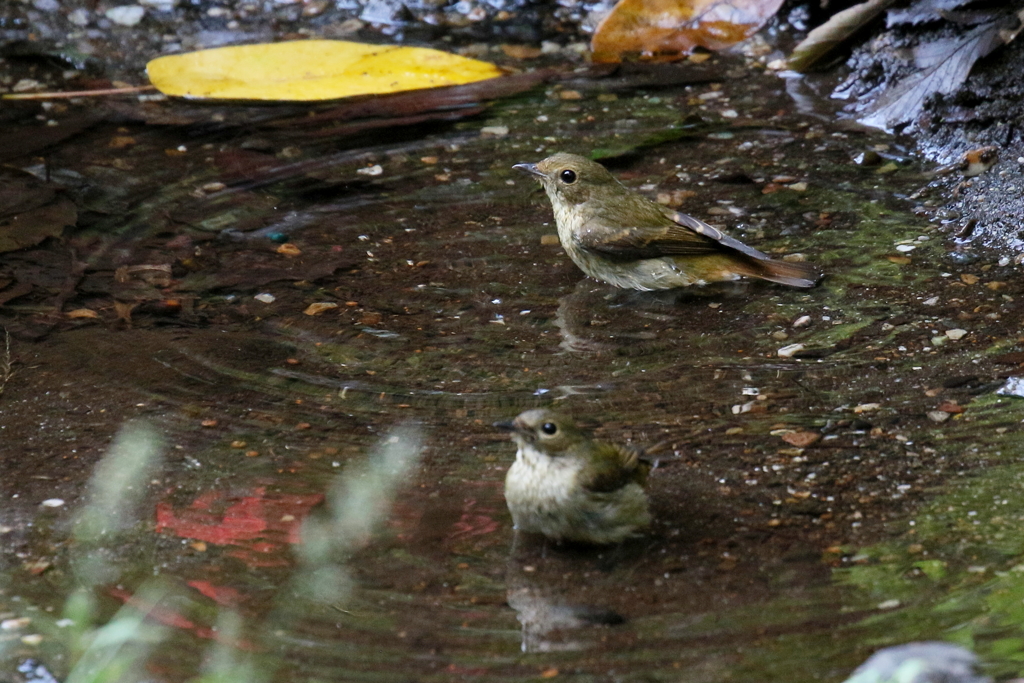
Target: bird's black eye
549	428
567	176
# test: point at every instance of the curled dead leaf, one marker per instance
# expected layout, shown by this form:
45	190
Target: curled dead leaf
671	29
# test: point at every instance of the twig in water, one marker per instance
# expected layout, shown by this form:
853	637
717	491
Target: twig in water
5	362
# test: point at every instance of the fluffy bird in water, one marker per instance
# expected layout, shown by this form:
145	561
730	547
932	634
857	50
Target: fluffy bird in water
570	487
618	236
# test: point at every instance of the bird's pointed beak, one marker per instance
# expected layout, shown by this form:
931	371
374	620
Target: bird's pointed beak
506	425
530	168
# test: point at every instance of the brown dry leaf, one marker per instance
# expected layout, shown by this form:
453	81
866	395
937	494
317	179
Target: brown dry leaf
801	439
320	307
671	29
31	227
82	313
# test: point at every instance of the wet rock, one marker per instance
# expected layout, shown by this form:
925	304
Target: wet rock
926	662
790	351
1014	386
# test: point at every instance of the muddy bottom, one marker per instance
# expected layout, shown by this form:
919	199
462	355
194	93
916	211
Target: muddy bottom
830	464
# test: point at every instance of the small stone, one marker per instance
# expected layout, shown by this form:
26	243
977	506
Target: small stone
995	285
288	249
867	407
126	15
797	187
956	334
794	258
27	85
320	307
938	416
46	5
802	321
32	639
780	335
79	17
521	51
549	240
374	170
14	624
265	298
931	302
904	248
789	351
494	131
969	279
889	604
570	95
52	503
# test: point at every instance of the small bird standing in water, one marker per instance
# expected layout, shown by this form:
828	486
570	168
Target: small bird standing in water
618	236
570	487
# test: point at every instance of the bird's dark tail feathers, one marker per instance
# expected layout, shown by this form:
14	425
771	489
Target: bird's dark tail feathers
797	274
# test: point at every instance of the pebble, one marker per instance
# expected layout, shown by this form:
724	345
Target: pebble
789	351
126	15
13	624
956	334
494	131
160	5
938	416
802	321
46	5
265	298
27	85
867	407
371	170
905	247
79	17
52	503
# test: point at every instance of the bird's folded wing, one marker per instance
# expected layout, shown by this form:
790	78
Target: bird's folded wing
615	466
685	236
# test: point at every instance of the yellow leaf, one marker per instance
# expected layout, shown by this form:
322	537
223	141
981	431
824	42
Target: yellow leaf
310	70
